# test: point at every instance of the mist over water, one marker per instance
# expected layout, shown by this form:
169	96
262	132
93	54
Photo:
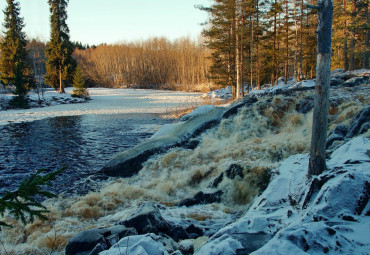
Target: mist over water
82	143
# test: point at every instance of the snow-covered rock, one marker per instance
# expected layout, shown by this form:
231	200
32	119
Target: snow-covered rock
203	109
223	93
148	244
328	214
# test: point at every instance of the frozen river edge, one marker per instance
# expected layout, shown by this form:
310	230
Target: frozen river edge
104	101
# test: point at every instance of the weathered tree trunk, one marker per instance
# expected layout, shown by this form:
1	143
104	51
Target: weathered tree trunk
353	38
237	50
274	76
317	162
61	88
286	43
345	45
258	82
365	62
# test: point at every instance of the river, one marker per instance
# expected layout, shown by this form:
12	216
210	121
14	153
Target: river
82	143
82	137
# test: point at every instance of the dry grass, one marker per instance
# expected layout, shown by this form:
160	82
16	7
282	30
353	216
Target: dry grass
183	109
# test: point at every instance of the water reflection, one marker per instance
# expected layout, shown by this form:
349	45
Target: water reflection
83	143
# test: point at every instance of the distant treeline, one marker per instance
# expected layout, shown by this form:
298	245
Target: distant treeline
155	63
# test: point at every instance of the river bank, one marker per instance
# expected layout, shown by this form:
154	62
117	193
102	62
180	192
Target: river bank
103	101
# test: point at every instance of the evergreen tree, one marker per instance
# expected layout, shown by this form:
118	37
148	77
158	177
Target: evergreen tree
79	84
60	65
22	203
13	67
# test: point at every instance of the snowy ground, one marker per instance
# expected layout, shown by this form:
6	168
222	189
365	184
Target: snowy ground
104	101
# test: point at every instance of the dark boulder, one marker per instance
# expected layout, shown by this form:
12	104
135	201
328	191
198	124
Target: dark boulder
194	232
86	241
360	123
96	240
217	181
178	233
234	170
247	101
305	105
355	81
148	219
337	134
336	82
202	198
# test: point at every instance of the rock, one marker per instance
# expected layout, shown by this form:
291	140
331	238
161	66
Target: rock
96	240
337	71
186	247
233	109
148	244
194	232
98	248
305	105
130	161
355	81
337	134
224	245
86	241
360	123
122	231
202	198
201	110
178	233
336	82
217	181
177	252
233	171
148	219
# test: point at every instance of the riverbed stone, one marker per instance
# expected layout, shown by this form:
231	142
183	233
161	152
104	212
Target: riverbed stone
93	241
84	242
148	219
202	198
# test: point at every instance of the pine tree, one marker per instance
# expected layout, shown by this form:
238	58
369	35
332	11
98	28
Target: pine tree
22	203
79	84
60	65
13	67
221	40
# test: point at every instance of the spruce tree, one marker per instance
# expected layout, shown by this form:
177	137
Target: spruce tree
79	84
13	67
23	203
60	65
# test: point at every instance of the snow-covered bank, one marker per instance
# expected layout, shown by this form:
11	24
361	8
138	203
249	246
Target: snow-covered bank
328	214
104	101
338	78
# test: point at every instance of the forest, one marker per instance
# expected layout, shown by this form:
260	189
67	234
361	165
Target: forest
249	42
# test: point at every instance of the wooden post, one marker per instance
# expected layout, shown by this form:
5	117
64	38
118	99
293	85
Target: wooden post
317	163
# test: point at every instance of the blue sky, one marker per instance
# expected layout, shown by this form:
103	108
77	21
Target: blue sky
113	21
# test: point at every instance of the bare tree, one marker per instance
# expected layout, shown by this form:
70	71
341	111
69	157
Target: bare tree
317	163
